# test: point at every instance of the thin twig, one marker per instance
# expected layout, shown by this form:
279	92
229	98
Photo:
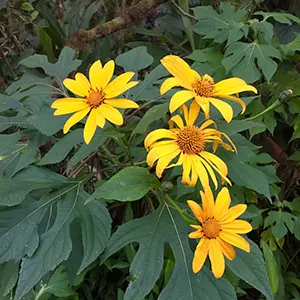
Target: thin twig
82	164
7	63
183	12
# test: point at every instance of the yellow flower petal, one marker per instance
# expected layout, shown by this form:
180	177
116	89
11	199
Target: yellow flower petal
210	172
207	202
95	73
82	80
121	103
217	164
75	119
200	255
168	84
222	203
100	119
66	101
208	78
197	210
159	151
233	213
237	226
193	113
163	162
235	99
111	114
196	235
106	74
179	69
233	86
76	88
217	259
201	171
226	249
235	240
67	109
177	120
179	98
204	104
195	226
208	123
118	85
157	135
224	108
187	166
90	126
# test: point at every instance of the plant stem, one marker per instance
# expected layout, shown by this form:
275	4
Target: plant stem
111	157
184	217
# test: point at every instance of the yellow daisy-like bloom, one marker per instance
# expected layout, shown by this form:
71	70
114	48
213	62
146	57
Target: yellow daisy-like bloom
189	142
202	89
98	98
219	230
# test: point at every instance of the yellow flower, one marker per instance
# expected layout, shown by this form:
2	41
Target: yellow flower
202	89
189	142
98	97
219	230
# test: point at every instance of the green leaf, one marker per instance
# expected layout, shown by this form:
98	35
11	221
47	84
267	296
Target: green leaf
11	193
291	47
55	245
241	59
155	113
284	18
9	273
208	61
272	268
286	33
61	149
58	285
145	90
295	156
60	70
153	233
236	126
251	268
227	25
130	184
281	221
85	150
243	174
88	13
135	59
46	123
46	42
263	30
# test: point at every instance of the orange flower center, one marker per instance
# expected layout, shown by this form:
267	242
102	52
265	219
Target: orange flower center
191	140
204	87
211	228
95	98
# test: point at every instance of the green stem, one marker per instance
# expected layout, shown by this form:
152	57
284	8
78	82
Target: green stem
184	217
111	157
140	163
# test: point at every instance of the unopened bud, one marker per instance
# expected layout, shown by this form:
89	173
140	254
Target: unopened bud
167	186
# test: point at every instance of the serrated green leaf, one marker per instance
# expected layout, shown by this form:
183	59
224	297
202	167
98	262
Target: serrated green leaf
58	285
272	268
227	25
153	114
61	149
130	184
60	70
281	222
251	268
135	59
55	244
153	232
241	59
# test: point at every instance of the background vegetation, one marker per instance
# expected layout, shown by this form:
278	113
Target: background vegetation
61	200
